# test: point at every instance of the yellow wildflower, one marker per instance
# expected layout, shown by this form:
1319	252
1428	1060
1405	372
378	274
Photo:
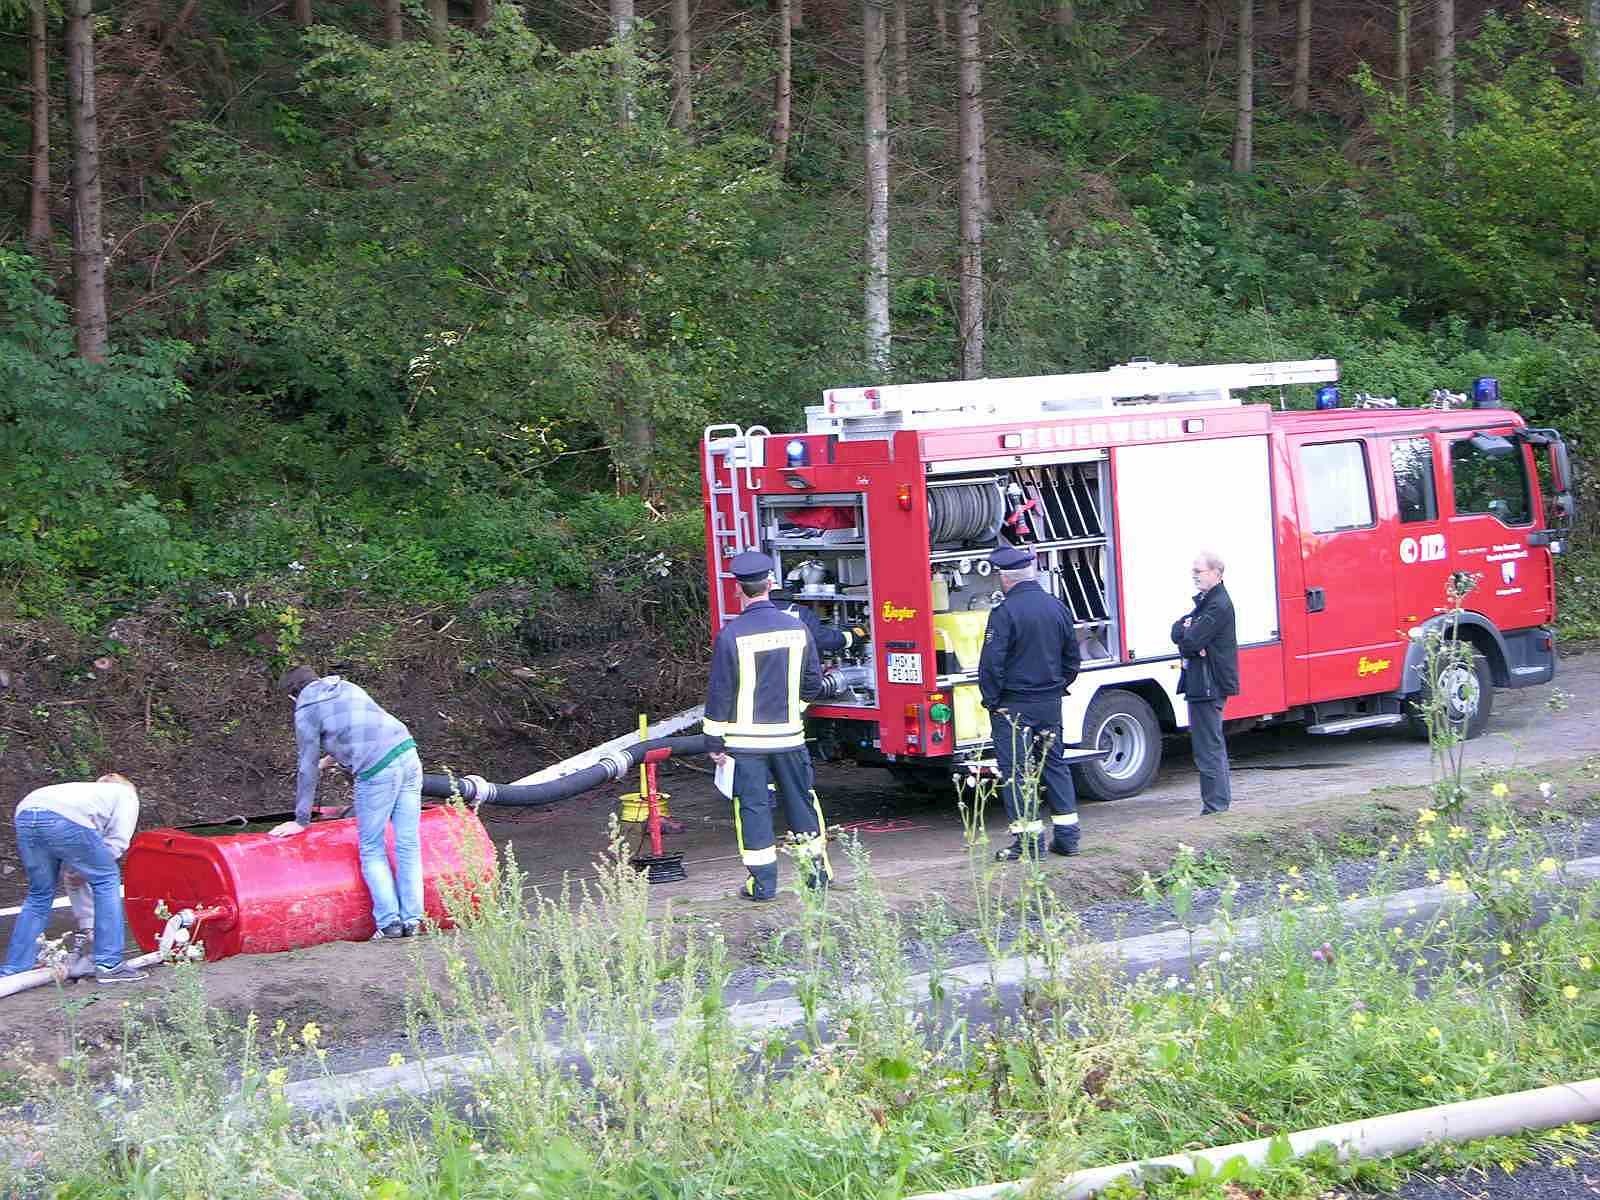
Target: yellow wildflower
1455	883
1548	866
1293	872
1426	816
1458	833
1424	1080
1424	838
1570	992
1505	949
1358	1019
277	1077
1499	791
1433	1033
1398	931
1511	875
1585	962
1495	833
397	1060
1433	875
1298	896
1353	896
310	1032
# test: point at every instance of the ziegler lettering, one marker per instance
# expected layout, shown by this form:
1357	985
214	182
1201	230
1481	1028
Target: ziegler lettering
1371	666
892	612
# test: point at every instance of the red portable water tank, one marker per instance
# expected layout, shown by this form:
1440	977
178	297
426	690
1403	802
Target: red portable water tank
284	893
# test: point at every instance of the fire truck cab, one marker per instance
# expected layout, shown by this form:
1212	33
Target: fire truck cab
1340	527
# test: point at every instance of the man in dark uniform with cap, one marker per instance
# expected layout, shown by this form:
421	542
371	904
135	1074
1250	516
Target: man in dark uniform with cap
1030	657
764	670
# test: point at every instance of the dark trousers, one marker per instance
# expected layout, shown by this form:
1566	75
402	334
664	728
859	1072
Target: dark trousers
1210	754
1034	775
789	773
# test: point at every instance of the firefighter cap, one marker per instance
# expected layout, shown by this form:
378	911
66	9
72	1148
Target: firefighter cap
751	566
1010	558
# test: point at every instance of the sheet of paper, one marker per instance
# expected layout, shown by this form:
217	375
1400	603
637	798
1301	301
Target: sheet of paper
724	776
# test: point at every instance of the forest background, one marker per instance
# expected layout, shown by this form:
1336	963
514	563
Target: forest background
326	325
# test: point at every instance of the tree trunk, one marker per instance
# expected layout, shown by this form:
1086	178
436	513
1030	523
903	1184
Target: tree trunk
622	22
393	28
88	246
1444	61
797	15
439	22
1066	16
941	25
1402	48
1271	14
1301	98
902	57
302	12
682	114
877	156
1592	65
783	102
39	149
1214	17
482	13
1244	123
972	195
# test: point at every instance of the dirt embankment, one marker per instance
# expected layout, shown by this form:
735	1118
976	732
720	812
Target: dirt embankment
180	699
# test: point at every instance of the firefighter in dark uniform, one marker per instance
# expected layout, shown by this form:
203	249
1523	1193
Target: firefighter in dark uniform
829	639
764	670
1030	657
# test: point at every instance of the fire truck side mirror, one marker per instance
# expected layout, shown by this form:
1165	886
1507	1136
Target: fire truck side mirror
1561	471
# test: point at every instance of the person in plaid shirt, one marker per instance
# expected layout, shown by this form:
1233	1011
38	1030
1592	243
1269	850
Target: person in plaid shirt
337	722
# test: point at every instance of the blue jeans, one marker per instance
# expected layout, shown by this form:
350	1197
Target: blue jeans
46	842
395	795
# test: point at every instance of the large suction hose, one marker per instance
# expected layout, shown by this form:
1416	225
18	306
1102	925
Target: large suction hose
476	790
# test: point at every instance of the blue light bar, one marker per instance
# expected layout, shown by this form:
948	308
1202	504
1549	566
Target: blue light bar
1327	397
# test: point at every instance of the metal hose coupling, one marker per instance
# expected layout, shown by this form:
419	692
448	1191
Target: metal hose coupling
476	790
617	763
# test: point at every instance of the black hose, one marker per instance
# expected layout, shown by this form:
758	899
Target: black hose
614	765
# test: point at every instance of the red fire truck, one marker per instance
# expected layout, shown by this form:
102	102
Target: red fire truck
1339	525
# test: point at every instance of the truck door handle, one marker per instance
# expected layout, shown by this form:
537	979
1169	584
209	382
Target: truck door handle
1316	600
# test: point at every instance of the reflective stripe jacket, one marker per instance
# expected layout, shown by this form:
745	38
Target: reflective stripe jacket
764	670
1030	650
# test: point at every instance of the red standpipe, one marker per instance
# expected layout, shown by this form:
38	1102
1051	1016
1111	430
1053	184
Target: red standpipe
270	894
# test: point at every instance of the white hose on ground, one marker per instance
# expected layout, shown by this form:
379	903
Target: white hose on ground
1373	1137
24	981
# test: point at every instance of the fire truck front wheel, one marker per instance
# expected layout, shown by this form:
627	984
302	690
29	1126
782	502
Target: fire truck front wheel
1467	691
1122	723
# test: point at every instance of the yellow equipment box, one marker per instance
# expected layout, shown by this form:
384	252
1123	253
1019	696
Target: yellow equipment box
961	633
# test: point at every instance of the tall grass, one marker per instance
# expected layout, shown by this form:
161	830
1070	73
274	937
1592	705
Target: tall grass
618	1069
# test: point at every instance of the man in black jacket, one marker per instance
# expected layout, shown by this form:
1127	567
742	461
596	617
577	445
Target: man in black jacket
764	671
1210	650
1029	659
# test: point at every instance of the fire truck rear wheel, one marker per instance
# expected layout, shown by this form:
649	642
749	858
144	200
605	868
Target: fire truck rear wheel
1469	698
1123	723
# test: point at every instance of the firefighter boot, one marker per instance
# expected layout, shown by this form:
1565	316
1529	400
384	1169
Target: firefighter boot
1064	840
761	885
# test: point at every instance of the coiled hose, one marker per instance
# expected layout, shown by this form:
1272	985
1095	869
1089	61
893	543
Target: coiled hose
476	790
965	512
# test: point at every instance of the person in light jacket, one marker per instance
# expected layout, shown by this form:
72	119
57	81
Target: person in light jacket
1210	648
84	828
